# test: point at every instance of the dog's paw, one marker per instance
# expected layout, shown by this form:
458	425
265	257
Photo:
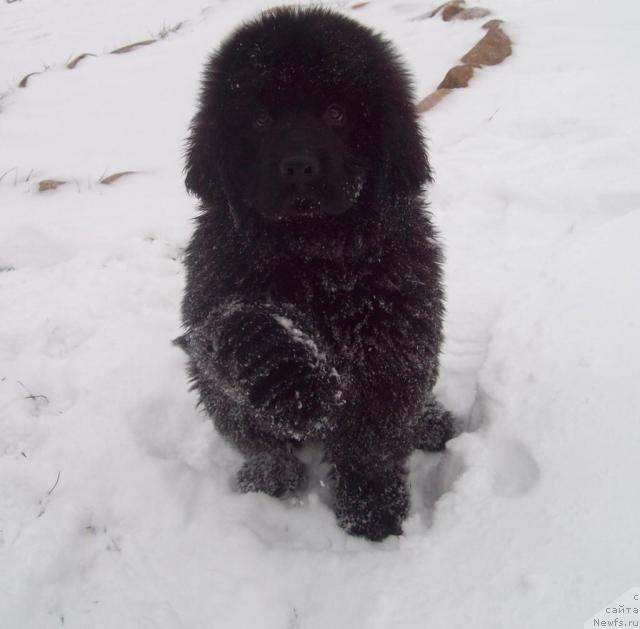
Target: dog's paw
283	371
297	391
277	475
273	365
373	507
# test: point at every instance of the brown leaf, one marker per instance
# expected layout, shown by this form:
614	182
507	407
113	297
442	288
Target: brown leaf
458	76
49	184
428	102
492	49
472	13
456	10
450	11
443	6
492	24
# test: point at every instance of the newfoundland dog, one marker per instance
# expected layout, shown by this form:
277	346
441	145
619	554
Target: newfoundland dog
313	305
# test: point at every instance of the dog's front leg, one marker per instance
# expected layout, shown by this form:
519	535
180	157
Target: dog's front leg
370	494
394	366
270	360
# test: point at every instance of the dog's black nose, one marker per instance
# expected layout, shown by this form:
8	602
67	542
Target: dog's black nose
299	169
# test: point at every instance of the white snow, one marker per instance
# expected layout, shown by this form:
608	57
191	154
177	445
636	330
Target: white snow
301	337
116	507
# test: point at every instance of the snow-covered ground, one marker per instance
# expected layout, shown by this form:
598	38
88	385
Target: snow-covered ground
115	504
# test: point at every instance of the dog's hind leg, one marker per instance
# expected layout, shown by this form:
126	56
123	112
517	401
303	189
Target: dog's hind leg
435	427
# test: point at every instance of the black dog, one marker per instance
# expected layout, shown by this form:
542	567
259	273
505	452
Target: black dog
314	304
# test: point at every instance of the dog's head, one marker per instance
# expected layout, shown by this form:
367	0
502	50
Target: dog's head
304	113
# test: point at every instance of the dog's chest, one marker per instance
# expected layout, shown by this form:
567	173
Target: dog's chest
339	298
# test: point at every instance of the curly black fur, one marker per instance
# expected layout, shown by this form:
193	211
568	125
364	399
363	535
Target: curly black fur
313	306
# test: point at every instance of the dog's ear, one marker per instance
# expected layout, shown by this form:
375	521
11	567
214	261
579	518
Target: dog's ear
202	162
406	163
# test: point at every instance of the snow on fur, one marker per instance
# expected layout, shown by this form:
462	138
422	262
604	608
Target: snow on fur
115	503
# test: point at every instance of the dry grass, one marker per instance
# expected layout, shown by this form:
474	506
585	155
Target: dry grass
134	46
25	79
109	179
76	60
165	31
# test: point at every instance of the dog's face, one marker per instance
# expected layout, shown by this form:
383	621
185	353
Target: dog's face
296	157
299	120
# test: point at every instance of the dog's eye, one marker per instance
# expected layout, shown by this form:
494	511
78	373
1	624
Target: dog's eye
335	116
263	120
